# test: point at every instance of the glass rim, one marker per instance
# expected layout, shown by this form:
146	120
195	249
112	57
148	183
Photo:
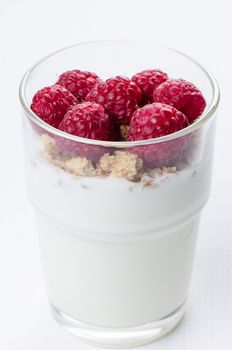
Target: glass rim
207	114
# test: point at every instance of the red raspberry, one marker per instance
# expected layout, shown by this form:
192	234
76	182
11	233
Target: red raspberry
119	96
147	81
78	83
156	120
51	104
182	95
88	120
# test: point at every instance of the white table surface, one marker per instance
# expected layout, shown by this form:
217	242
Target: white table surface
31	29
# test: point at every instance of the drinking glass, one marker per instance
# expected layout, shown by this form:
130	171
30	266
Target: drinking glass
118	221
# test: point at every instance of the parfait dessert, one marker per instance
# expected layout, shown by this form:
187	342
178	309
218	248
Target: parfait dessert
118	170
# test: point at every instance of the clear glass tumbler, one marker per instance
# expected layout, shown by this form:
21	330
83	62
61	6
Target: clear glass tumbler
117	231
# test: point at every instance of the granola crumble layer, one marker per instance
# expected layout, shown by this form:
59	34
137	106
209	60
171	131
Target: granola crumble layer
121	164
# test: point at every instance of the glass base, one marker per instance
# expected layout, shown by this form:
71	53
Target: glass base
119	337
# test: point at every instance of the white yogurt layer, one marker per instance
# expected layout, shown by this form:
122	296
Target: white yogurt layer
116	253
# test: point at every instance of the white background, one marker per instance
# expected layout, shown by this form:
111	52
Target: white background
28	31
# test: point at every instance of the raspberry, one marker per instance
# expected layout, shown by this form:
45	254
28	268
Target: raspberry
88	120
78	83
119	96
182	95
147	81
51	103
156	120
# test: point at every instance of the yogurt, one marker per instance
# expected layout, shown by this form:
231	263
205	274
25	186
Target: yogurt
117	253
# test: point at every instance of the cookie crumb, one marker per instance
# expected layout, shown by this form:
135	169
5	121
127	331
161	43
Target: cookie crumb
106	163
169	170
85	187
122	164
124	132
194	173
147	182
49	145
76	165
164	171
79	166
